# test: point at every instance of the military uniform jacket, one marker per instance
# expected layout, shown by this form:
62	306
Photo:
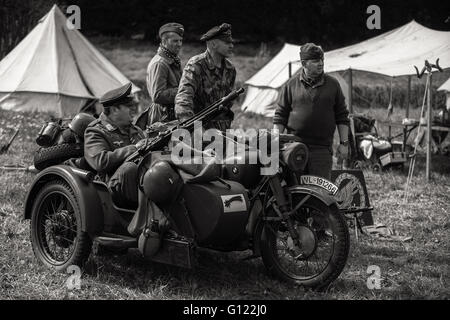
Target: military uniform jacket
163	77
106	146
202	83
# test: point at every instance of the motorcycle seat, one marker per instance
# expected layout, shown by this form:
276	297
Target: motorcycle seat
206	171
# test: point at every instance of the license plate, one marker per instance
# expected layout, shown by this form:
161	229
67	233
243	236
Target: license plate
319	182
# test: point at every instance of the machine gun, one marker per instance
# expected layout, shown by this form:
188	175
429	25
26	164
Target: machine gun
205	115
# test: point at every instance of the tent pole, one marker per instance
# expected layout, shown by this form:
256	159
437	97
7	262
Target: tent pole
408	96
429	103
405	128
350	87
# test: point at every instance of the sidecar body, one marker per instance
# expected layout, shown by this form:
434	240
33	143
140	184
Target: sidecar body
211	214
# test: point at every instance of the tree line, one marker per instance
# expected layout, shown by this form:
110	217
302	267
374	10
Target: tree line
332	23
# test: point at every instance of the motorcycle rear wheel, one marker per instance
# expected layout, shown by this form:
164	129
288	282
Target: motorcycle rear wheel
325	244
56	236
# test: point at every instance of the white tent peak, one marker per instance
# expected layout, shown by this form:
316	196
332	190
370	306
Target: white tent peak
55	68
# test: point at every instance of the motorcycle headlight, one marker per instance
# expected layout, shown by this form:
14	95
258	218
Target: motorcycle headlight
295	155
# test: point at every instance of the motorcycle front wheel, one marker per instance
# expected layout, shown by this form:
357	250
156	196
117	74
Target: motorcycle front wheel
321	253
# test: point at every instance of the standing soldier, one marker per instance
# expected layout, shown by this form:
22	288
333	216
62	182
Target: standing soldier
208	77
163	76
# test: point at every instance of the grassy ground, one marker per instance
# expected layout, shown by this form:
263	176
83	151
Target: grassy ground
417	269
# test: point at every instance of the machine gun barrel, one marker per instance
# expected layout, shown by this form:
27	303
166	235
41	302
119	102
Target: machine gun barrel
206	115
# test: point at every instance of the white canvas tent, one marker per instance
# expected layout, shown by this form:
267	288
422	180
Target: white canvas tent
55	69
393	53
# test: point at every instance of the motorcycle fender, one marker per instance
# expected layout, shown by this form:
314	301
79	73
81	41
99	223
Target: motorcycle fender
319	193
84	189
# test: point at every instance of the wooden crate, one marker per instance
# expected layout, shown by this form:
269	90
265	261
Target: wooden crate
393	158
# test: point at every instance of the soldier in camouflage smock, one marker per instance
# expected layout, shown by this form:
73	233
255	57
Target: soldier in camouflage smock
110	139
208	77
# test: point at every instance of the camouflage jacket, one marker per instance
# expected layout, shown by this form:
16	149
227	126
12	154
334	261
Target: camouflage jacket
106	146
163	77
202	83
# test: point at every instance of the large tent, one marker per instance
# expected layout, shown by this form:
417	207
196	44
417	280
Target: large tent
55	69
393	53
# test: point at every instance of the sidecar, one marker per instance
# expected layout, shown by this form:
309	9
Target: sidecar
70	208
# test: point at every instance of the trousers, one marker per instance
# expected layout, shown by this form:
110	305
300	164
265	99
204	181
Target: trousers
320	161
123	184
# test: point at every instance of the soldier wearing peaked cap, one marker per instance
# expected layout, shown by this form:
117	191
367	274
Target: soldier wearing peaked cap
208	77
110	139
163	76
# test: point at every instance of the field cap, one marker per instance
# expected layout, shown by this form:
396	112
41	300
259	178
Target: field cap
222	32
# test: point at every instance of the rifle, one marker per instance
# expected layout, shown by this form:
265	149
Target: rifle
207	114
5	147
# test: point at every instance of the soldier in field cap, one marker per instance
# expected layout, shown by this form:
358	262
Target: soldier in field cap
110	139
163	76
311	105
208	77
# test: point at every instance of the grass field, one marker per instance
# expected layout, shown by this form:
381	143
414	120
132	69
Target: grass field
417	269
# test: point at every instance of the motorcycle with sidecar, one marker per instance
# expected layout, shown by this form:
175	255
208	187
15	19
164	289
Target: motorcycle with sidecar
298	230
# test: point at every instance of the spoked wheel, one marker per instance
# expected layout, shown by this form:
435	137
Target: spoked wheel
321	253
56	234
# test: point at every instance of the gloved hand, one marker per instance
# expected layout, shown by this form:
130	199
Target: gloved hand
226	111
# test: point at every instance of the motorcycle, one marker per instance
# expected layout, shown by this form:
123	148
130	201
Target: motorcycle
298	230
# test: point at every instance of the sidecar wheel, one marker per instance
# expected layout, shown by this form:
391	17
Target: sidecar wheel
325	245
56	235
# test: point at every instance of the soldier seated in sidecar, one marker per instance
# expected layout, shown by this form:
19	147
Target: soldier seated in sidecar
110	139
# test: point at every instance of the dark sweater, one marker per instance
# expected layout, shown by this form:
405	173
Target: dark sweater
311	112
